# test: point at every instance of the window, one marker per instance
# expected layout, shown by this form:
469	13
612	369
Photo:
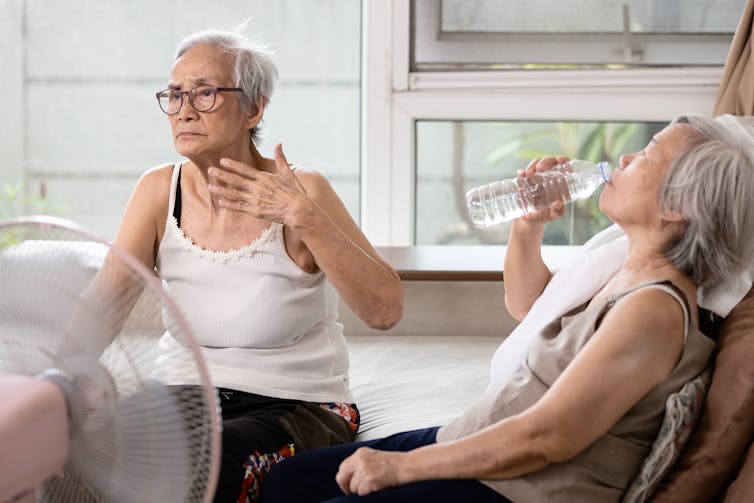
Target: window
453	157
469	79
81	124
492	34
80	120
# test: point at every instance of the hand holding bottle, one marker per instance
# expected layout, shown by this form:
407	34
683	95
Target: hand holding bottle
526	274
540	186
557	207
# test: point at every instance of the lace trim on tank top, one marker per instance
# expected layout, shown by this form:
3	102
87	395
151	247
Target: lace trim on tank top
224	256
214	256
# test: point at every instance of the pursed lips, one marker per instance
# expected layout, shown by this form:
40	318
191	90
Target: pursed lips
188	134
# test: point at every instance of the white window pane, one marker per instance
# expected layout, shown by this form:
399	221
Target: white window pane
453	157
591	16
495	35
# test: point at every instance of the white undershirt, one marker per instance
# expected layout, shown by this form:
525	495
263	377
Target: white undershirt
265	326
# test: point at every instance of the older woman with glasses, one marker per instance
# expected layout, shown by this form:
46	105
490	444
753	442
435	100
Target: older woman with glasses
251	248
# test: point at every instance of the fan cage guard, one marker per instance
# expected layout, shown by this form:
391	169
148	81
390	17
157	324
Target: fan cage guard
144	428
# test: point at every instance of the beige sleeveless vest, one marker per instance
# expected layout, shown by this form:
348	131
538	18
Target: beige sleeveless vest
603	471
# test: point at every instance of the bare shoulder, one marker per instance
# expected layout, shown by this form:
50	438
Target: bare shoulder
656	301
643	333
315	184
649	310
157	177
143	221
153	187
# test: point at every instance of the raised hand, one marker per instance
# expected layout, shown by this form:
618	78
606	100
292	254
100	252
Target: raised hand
275	196
556	209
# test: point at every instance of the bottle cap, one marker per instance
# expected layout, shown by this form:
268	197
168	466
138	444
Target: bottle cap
605	170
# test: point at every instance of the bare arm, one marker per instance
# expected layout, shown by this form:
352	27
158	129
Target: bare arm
108	300
525	273
308	205
636	347
145	211
368	284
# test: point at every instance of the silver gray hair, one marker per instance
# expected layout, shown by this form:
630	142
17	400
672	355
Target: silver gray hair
711	185
253	71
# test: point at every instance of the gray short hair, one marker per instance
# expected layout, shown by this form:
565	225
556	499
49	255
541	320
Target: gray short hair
711	184
254	71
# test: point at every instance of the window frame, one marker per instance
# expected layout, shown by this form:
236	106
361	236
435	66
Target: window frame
436	49
394	98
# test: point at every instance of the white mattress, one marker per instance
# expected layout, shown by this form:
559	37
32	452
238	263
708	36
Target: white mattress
404	382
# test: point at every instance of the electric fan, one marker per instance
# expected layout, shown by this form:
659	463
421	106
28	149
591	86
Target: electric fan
90	410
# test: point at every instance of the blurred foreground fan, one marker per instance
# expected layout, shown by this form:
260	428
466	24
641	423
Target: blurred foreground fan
88	413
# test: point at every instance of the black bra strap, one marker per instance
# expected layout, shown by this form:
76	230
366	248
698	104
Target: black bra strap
177	204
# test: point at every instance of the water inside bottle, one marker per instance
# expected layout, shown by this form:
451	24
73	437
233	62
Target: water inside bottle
510	199
494	203
551	186
477	212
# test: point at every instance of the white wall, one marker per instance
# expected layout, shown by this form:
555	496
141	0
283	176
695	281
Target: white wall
11	89
83	78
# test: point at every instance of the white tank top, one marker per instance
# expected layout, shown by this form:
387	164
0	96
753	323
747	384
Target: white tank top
264	325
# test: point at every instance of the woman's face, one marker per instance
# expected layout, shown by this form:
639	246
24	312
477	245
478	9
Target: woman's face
633	192
221	131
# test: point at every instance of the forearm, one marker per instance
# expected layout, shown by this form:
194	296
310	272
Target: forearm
525	273
373	291
103	308
505	450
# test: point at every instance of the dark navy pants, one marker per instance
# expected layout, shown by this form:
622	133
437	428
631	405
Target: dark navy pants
310	477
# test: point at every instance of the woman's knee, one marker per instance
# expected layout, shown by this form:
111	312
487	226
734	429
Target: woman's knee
309	476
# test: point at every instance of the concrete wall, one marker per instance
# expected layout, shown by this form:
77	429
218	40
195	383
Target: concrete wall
478	308
12	91
83	119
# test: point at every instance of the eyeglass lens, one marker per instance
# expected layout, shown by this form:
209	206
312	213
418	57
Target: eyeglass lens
201	98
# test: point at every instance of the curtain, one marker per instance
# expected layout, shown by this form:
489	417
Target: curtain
736	93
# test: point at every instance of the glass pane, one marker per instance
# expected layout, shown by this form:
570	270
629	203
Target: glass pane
81	122
591	16
453	157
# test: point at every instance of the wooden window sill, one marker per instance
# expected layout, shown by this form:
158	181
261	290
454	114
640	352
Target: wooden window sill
461	263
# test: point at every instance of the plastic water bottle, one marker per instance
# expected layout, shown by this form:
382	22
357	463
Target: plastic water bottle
509	199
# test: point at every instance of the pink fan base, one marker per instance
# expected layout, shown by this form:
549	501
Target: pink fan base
33	434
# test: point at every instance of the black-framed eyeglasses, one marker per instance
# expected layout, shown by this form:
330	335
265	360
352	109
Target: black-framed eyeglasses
201	98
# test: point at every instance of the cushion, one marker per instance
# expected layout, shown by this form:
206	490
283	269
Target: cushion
717	446
682	410
405	382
